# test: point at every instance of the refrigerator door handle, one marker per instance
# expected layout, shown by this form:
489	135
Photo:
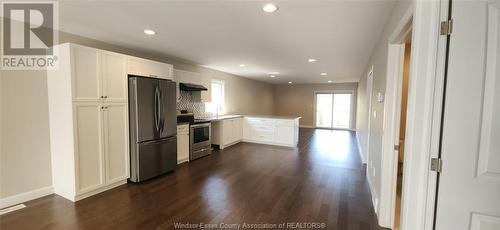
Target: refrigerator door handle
160	113
157	102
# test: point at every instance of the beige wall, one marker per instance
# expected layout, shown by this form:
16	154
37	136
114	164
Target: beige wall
379	61
298	99
25	151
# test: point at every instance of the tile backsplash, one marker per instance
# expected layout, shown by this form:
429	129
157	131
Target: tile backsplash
188	102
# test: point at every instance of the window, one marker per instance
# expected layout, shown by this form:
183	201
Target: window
218	97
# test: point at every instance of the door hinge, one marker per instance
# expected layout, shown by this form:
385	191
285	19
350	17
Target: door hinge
446	27
436	165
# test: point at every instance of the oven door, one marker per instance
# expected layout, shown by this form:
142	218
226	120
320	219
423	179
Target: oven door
200	136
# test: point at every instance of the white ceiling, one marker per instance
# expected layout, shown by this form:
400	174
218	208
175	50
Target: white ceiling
224	34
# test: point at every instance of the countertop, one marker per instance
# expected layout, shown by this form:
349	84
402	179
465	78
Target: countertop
275	117
225	117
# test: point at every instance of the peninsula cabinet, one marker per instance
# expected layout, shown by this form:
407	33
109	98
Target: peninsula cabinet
88	114
227	132
271	130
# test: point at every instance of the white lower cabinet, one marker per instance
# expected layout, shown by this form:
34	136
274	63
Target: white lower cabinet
89	149
182	143
91	154
227	132
116	144
271	131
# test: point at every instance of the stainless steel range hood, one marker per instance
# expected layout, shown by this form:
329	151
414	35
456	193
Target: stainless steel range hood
191	87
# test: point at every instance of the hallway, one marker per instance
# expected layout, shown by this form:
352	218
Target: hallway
322	181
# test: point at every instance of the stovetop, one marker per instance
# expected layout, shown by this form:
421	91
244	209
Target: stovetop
201	120
189	118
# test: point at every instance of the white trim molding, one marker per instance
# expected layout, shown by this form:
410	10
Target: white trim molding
427	65
425	88
360	149
26	196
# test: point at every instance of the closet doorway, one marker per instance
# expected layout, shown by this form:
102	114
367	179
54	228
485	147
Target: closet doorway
333	110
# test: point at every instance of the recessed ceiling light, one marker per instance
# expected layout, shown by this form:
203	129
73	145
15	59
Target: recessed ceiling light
149	32
242	65
311	60
329	81
289	82
269	8
274	73
324	74
272	76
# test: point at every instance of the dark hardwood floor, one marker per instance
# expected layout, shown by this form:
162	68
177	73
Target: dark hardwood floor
321	181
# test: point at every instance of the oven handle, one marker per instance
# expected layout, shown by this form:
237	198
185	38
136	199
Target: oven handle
200	125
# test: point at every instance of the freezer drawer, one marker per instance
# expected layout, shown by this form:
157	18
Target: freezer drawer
155	158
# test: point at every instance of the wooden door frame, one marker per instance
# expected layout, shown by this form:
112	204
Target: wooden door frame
423	117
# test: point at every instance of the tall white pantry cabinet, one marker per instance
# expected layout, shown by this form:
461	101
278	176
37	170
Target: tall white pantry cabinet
88	115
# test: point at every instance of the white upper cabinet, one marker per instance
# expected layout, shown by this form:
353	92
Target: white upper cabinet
86	80
98	75
114	77
148	68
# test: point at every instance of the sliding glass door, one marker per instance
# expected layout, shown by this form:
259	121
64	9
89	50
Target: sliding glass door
333	110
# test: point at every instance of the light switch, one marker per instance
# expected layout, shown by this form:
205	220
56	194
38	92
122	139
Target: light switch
380	97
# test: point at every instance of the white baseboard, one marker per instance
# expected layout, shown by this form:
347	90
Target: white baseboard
12	209
373	194
26	196
268	143
99	190
360	149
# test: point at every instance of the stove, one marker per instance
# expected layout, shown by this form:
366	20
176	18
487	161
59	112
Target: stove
200	143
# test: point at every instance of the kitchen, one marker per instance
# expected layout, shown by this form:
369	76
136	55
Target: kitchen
163	108
116	122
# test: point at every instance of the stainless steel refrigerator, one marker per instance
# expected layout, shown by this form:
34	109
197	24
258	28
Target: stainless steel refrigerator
153	127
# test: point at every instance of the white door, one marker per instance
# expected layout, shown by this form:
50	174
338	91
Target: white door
469	185
116	142
88	146
114	77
